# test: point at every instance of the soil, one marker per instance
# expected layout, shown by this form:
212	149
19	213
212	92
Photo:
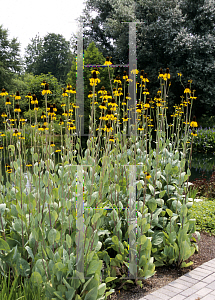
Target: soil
165	275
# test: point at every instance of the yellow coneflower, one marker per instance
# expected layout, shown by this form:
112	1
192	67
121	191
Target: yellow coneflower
94	79
166	75
43	83
147	105
107	62
71	127
4	115
125	76
16	133
17	97
125	119
73	91
66	114
127	97
3	93
194	133
140	128
161	73
117	80
102	91
69	90
21	138
17	108
134	71
29	96
1	147
51	111
34	100
52	144
103	117
64	93
46	89
9	170
111	139
146	92
187	90
102	106
179	74
40	128
108	127
113	103
29	165
36	107
3	134
148	175
61	122
58	150
7	101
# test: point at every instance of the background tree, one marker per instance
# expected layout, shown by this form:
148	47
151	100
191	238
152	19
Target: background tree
175	34
10	60
51	53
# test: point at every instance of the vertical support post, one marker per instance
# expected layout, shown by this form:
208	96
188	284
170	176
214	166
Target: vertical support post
80	81
132	85
132	223
80	222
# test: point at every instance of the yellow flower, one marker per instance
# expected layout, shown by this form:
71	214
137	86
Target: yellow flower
140	127
58	150
125	119
3	93
179	74
43	83
17	108
52	144
72	127
194	133
134	71
108	128
17	97
16	133
64	93
102	106
3	115
148	175
193	124
111	139
1	147
7	101
107	62
29	96
146	92
125	76
29	165
46	89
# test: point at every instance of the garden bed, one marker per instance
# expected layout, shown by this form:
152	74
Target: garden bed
165	275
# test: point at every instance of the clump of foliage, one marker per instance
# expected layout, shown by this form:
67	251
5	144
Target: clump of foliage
205	140
81	224
204	213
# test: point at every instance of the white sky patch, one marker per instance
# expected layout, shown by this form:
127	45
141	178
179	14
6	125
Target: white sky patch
25	19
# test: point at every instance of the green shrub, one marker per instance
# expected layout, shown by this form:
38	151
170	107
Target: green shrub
203	212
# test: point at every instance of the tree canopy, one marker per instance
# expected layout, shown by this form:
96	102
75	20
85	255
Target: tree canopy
51	53
175	34
10	60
